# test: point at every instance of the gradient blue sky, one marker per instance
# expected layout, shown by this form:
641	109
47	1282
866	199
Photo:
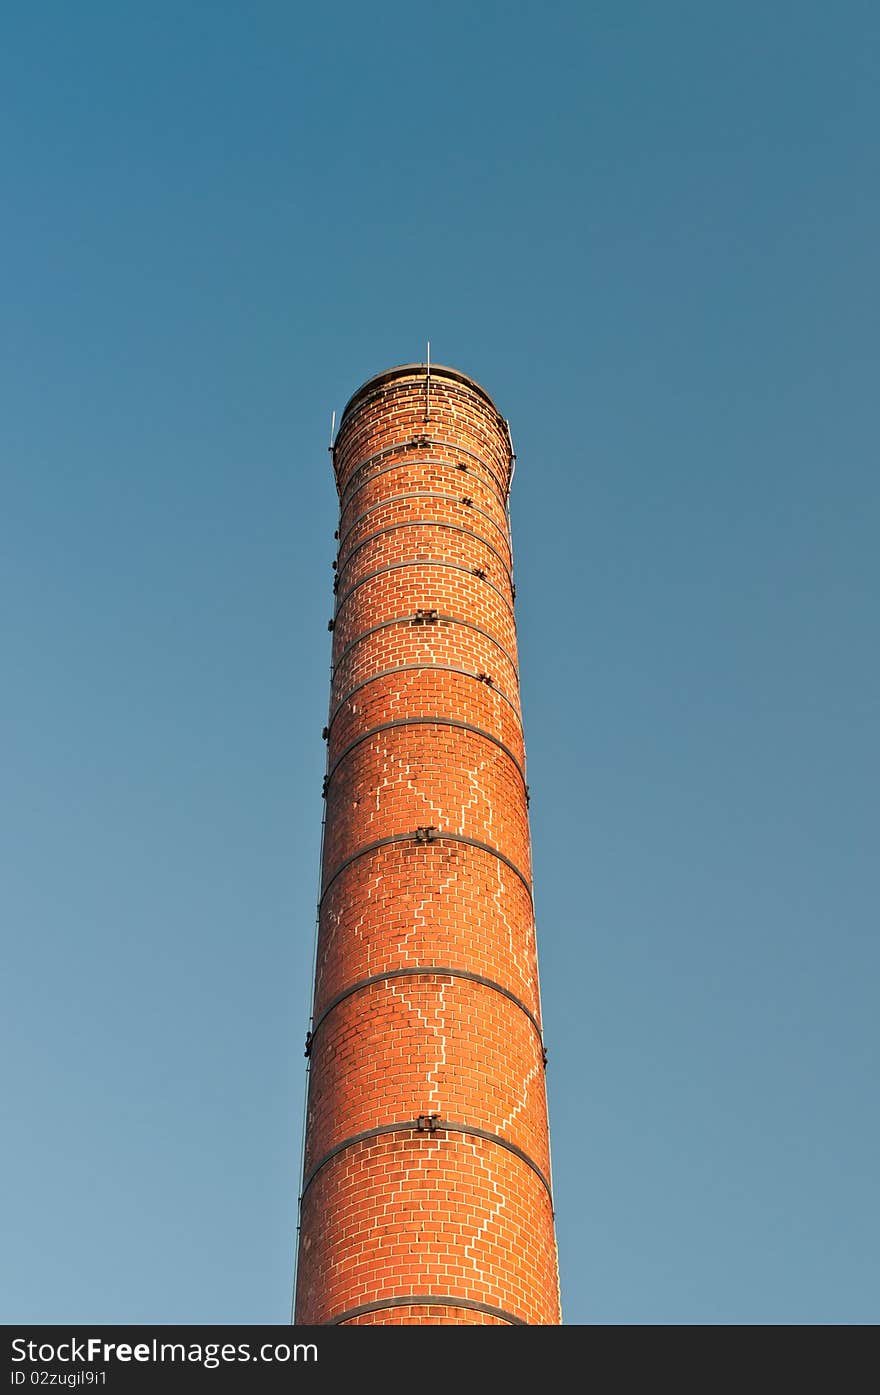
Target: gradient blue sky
651	231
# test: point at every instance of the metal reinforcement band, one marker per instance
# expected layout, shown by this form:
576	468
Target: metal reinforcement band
441	619
418	562
463	471
415	443
429	971
425	722
423	494
438	837
425	1300
415	1126
417	668
427	523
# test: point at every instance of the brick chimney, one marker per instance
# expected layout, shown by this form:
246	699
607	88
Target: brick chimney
426	1180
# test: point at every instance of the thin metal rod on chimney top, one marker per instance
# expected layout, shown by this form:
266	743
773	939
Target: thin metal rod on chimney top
428	384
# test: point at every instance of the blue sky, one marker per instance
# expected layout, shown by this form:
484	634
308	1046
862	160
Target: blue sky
652	232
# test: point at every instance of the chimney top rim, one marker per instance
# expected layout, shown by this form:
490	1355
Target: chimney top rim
402	370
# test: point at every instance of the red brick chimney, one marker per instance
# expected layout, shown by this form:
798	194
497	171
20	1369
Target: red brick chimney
426	1181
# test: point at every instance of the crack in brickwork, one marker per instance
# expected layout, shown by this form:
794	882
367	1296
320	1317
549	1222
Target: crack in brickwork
434	1024
472	1250
518	952
523	1102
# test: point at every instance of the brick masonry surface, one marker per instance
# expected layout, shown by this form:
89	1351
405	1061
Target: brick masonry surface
426	1180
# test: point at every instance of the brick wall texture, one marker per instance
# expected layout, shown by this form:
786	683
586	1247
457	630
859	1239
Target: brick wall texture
426	1180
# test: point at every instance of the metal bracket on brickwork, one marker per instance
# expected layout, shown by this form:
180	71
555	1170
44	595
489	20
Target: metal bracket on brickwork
308	1050
466	499
428	1123
479	572
325	733
331	624
335	584
544	1057
486	678
513	590
325	787
426	617
461	465
426	833
528	795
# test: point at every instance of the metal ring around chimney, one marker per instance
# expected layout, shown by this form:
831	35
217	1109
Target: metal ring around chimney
416	668
440	836
419	443
427	721
426	523
426	1300
423	494
415	1126
430	971
441	619
420	562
